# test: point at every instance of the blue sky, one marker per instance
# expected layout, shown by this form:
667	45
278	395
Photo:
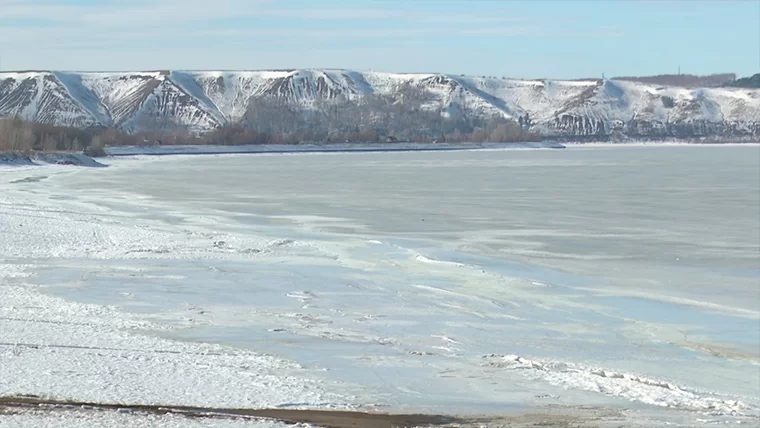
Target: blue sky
543	38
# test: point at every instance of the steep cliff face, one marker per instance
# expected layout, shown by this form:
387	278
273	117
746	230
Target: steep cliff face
204	100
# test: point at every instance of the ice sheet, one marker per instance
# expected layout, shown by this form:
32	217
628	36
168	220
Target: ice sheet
415	275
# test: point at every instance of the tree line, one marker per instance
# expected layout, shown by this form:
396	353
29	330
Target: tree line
685	80
410	114
17	135
747	82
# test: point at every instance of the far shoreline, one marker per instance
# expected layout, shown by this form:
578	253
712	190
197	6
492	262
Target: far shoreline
81	159
190	149
207	149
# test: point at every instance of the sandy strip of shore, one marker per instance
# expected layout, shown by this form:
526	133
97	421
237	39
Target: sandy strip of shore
333	419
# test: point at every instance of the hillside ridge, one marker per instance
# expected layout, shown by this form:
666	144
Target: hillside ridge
200	101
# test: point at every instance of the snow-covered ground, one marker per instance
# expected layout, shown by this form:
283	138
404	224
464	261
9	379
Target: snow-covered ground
444	282
84	419
15	159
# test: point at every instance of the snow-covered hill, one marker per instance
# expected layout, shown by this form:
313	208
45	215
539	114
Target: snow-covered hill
203	100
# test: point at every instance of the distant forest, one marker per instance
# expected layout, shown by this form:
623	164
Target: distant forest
691	81
19	136
747	82
685	80
407	115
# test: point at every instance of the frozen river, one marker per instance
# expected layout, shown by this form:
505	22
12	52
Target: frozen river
468	282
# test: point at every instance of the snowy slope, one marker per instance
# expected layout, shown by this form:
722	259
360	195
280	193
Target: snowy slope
649	110
540	99
228	92
120	93
203	100
149	100
168	106
42	97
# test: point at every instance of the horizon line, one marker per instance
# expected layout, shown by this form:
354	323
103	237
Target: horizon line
169	70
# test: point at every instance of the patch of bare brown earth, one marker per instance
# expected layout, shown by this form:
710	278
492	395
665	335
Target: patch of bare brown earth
581	417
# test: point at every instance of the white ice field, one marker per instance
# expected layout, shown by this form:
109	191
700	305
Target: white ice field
470	282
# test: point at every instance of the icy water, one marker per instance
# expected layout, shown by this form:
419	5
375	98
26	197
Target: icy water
476	281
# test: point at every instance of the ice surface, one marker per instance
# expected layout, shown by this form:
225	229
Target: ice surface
440	281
